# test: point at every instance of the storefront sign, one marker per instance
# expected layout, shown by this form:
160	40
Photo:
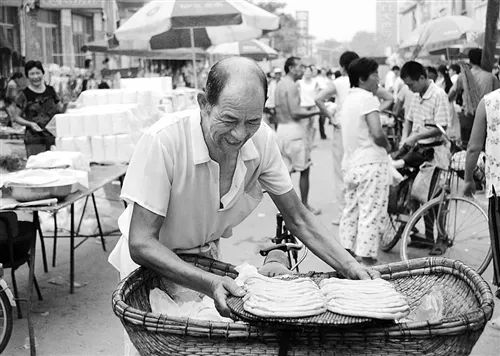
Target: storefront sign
71	4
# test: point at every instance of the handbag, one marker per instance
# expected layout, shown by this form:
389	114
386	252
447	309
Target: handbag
424	183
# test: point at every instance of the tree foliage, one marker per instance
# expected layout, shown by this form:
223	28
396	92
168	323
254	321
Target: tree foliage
367	44
285	39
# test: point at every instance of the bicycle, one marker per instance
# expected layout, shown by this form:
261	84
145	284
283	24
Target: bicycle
288	243
6	318
441	220
393	125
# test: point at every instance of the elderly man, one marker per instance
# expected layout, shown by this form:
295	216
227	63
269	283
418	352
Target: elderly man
194	178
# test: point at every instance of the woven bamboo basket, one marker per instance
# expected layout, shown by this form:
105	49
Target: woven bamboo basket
468	305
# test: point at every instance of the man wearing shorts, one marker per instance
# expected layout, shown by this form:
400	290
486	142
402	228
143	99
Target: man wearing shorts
293	138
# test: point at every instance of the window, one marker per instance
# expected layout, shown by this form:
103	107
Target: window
49	37
83	29
464	7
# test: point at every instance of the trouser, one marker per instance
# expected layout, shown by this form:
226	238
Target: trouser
364	217
321	122
466	123
337	181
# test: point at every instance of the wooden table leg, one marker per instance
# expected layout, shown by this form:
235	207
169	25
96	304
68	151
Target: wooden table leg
54	247
31	330
98	223
36	221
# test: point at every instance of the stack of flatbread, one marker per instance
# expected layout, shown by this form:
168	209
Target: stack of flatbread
274	298
364	298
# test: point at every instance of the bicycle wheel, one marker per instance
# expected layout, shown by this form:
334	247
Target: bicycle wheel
392	232
463	224
5	320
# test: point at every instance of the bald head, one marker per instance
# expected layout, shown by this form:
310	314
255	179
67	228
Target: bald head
235	69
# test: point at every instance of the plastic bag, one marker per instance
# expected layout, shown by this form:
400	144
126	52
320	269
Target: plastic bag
431	307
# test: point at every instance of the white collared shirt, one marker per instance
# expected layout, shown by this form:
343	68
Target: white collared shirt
172	175
432	108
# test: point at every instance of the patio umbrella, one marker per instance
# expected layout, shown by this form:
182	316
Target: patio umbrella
194	23
447	31
254	49
102	46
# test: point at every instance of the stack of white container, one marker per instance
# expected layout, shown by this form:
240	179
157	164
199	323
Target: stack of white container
107	124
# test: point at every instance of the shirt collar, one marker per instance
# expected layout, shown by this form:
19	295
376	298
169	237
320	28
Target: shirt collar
200	150
430	91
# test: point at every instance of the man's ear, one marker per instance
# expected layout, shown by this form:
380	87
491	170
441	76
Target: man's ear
202	101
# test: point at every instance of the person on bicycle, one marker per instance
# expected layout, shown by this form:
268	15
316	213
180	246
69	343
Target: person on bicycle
192	179
421	142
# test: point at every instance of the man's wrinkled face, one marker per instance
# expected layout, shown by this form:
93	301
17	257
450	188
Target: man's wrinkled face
416	86
237	115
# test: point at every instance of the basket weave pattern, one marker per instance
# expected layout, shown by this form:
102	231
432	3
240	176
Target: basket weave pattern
467	298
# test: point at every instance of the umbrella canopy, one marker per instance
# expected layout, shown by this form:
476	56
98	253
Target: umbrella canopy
448	30
443	32
101	46
254	49
168	24
194	23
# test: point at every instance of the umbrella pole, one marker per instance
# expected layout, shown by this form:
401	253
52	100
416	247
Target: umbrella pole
191	33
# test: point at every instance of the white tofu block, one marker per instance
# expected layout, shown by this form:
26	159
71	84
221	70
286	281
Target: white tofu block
65	144
102	97
82	145
77	124
110	148
124	147
129	97
105	124
98	152
89	97
122	122
90	124
115	96
63	125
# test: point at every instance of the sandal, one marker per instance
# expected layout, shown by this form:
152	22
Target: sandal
438	248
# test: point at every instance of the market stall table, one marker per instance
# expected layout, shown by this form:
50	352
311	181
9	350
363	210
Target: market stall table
99	176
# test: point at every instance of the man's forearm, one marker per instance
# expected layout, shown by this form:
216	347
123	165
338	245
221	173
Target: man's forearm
427	134
154	255
302	113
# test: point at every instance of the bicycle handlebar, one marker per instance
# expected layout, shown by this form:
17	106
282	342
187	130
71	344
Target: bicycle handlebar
285	246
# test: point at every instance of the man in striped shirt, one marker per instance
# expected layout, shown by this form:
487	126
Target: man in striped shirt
430	106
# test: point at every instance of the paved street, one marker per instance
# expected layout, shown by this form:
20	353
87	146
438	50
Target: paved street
84	324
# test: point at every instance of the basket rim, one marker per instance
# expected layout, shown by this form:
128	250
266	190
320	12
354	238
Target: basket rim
473	320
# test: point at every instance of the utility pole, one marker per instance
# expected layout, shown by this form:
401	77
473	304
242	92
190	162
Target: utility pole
490	35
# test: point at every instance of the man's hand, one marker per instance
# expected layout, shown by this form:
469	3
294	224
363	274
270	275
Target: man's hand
357	271
220	289
469	188
409	141
34	126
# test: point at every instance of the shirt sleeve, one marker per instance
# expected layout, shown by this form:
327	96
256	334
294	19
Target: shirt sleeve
411	107
442	110
274	176
371	104
148	180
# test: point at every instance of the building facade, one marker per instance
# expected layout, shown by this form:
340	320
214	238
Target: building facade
387	22
52	31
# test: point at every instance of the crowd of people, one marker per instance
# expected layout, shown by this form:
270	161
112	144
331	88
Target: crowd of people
301	99
352	101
